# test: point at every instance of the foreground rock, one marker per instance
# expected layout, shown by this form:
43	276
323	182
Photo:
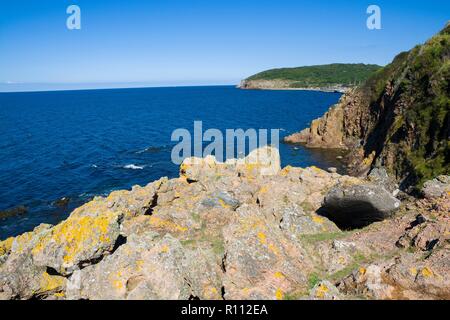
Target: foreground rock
244	229
353	206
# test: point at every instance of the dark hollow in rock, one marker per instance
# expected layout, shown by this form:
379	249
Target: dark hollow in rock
357	206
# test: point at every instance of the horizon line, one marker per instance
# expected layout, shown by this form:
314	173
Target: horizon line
109	88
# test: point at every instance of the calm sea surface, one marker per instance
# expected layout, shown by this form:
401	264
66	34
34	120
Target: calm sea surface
79	144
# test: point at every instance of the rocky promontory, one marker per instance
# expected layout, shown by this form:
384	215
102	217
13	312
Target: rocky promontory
399	119
244	229
336	77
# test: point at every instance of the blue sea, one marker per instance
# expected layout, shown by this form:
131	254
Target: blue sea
78	144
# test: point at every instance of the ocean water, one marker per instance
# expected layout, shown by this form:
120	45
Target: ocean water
79	144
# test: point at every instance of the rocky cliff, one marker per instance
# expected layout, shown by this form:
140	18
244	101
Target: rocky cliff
398	119
244	229
280	84
331	77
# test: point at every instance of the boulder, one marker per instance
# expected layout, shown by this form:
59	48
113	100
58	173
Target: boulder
355	206
89	233
437	188
380	176
264	161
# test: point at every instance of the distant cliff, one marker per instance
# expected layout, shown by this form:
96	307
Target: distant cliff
331	77
399	118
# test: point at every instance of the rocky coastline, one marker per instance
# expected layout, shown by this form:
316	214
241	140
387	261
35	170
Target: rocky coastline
279	84
244	229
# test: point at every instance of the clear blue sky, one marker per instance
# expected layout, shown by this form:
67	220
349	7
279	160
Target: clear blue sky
173	42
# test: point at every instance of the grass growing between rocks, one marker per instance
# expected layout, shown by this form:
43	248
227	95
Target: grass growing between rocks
326	236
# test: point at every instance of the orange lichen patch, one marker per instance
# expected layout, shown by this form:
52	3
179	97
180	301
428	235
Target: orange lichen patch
5	246
341	260
164	249
279	275
78	234
427	272
59	295
285	171
413	271
317	219
362	271
262	237
50	283
321	291
279	294
166	224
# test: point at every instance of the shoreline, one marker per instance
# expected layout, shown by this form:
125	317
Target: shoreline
325	89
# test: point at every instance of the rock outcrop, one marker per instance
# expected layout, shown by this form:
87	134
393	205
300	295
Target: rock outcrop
398	119
244	229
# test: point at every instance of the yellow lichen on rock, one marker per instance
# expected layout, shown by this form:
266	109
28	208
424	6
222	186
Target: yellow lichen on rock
77	232
262	237
223	204
264	189
166	224
5	246
321	291
49	283
368	161
278	294
285	171
317	219
427	272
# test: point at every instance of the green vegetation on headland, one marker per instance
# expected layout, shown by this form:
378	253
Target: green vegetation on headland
420	129
400	117
331	75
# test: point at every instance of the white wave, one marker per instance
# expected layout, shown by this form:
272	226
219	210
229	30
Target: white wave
133	167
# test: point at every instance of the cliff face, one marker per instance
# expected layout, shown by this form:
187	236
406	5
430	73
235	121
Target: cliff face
399	118
280	84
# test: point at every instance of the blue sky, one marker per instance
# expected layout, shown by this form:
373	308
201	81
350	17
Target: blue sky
185	42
